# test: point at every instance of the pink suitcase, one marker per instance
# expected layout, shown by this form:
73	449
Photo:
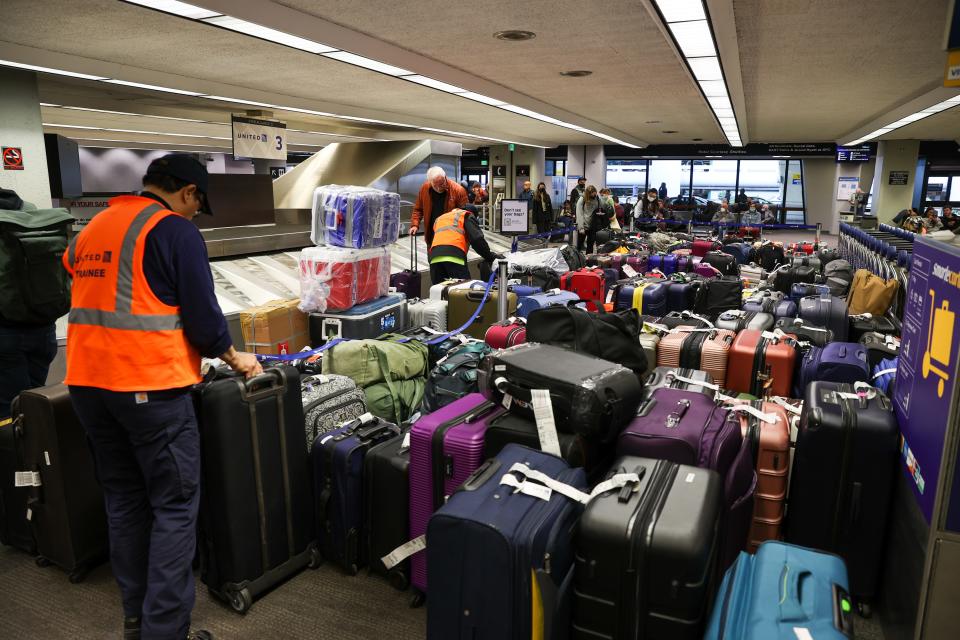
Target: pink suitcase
446	446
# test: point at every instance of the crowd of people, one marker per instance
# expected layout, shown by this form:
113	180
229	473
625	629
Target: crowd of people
911	220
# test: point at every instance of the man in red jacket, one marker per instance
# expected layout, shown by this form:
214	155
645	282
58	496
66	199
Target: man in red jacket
437	196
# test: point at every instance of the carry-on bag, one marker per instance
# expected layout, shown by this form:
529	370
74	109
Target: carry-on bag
826	311
590	397
14	527
256	508
838	276
501	561
409	281
802	290
879	347
547	299
678	378
779	308
770	256
687	427
871	294
64	502
863	324
509	428
783	591
586	284
464	303
369	320
725	263
762	363
785	277
649	298
741	251
835	362
649	342
427	313
328	402
338	464
645	555
702	247
445	448
707	350
386	507
667	263
718	295
455	376
505	334
752	275
884	375
441	290
807	261
844	467
804	331
686	318
738	320
682	292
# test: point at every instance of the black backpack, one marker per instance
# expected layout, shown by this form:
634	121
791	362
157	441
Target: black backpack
770	256
725	263
719	295
610	336
34	286
575	259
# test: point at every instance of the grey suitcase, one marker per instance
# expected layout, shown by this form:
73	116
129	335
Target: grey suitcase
826	311
328	402
649	342
428	313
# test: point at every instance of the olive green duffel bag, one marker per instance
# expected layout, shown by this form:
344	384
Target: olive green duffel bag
395	401
369	362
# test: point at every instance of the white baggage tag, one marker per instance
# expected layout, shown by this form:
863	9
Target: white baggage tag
26	479
406	441
546	427
404	551
629	271
507	401
531	489
609	296
802	633
46	457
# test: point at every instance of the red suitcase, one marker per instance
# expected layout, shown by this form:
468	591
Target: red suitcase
702	247
589	284
762	364
507	333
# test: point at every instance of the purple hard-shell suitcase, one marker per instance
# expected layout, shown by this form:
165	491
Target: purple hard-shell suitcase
665	263
687	427
835	362
638	263
707	270
446	446
408	281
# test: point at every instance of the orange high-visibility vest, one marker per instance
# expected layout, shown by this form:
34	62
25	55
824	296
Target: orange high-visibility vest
448	230
120	336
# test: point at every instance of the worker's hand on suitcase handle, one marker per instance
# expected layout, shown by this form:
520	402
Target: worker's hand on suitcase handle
245	363
413	229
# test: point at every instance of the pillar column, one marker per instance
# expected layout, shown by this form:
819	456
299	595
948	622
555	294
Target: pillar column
896	157
21	127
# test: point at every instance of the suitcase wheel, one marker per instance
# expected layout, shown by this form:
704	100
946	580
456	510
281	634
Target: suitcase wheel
864	609
240	600
399	579
418	599
77	575
42	562
316	558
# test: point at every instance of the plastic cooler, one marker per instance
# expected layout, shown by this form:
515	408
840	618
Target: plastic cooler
355	217
335	279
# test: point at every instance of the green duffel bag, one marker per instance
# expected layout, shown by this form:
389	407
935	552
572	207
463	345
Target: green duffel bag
368	362
395	401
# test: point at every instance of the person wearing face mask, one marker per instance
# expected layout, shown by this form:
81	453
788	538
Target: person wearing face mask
767	216
590	215
542	209
577	193
723	214
751	215
931	221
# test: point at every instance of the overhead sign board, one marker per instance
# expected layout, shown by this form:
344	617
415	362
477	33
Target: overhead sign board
793	149
853	154
261	139
951	76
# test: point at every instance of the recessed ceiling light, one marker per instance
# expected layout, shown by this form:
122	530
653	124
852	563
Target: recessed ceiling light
576	73
668	131
697	139
653	122
513	35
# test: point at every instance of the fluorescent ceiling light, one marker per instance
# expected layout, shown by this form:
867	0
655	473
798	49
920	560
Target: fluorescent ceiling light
266	33
434	84
714	88
707	68
728	122
479	97
176	8
681	10
181	144
70	126
723	113
246	102
152	87
138	131
59	72
719	102
694	38
367	63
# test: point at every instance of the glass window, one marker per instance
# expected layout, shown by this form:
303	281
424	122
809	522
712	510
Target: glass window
714	181
670	177
938	188
626	179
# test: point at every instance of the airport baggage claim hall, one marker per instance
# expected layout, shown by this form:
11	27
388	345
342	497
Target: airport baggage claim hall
358	320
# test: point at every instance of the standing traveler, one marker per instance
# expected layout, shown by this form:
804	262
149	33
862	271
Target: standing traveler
36	292
663	191
143	312
476	195
454	232
542	209
576	193
527	193
648	206
619	210
609	209
950	221
438	195
741	201
590	218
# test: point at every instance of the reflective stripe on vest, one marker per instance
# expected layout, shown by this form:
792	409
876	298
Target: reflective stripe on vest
120	317
455	226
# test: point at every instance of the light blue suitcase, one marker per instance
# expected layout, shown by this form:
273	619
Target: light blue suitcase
528	304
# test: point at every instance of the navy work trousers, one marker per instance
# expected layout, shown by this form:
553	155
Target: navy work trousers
147	452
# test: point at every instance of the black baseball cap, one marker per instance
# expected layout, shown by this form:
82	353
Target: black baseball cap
187	168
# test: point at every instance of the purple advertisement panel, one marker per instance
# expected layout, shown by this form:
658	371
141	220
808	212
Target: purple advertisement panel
927	365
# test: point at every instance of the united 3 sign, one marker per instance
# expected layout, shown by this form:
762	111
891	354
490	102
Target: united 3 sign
263	139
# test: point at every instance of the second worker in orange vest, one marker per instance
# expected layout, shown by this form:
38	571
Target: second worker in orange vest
454	233
143	312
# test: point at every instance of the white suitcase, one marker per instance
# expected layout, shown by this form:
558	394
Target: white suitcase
441	291
428	313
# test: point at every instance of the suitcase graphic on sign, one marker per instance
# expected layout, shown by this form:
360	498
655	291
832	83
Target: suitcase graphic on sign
936	358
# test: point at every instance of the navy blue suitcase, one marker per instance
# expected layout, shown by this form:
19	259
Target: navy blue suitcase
338	463
826	311
652	302
739	250
665	263
681	296
500	560
835	362
802	290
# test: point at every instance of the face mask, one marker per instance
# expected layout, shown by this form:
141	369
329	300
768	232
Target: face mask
753	208
651	198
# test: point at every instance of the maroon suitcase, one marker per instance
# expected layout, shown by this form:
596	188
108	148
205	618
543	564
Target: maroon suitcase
408	281
507	333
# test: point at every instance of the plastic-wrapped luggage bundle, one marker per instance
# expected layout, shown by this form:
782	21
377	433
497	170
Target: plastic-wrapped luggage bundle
334	279
524	261
355	217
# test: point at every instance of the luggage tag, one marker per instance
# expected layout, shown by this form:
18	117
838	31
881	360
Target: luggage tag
786	405
629	271
617	481
546	426
404	551
769	418
27	479
691	381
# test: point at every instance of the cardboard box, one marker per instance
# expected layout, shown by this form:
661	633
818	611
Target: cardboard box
275	327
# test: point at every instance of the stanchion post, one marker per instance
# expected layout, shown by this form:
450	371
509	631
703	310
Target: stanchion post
690	226
819	227
575	237
502	296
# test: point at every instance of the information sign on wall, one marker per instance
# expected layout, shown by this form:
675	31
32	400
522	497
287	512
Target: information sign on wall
83	209
513	216
899	178
927	365
12	159
846	185
262	139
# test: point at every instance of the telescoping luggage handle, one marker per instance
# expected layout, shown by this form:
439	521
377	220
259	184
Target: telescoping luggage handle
745	408
414	258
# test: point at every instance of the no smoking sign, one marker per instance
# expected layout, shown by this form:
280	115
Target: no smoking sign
12	159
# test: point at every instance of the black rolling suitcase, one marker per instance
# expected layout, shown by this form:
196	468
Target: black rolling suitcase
590	397
386	507
64	501
14	526
645	558
256	506
508	428
844	467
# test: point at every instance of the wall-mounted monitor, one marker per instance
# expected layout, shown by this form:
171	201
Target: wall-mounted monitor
854	154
